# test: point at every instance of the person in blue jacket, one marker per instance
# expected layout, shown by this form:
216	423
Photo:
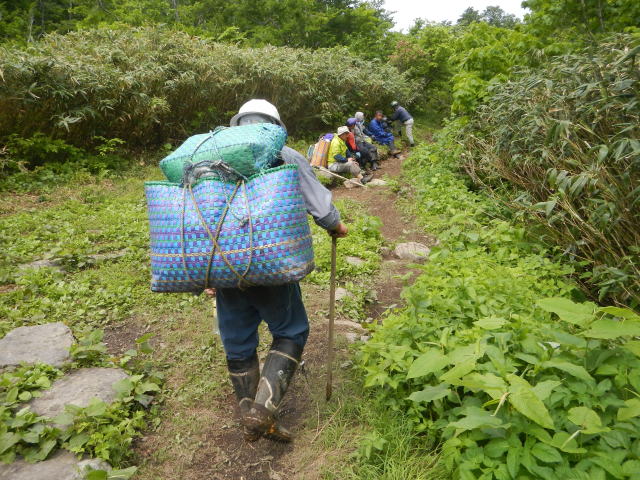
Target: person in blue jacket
378	130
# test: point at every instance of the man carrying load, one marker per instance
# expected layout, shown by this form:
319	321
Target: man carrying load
240	311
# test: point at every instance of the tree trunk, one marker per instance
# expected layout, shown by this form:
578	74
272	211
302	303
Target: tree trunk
174	4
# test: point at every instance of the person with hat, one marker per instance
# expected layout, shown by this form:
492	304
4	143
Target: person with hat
240	311
368	152
402	117
341	160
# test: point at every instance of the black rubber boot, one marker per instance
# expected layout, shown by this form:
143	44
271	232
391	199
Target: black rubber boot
281	364
245	375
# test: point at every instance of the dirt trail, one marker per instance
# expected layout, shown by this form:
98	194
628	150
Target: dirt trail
219	452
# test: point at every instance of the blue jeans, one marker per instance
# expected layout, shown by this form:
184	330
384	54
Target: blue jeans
241	311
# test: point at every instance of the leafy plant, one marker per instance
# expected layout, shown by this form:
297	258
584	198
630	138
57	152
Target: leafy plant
476	360
560	145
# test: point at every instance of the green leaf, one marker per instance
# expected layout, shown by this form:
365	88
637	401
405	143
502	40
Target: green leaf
543	389
493	385
633	346
453	375
431	393
631	410
524	400
8	440
64	418
491	323
561	441
513	460
571	312
496	448
12	395
625	313
609	329
429	362
575	370
123	474
123	387
546	453
78	440
97	475
95	408
588	420
477	418
25	396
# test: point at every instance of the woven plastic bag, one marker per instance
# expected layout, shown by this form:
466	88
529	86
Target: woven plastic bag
247	149
225	234
320	155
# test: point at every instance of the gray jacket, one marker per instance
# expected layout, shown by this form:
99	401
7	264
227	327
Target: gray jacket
316	197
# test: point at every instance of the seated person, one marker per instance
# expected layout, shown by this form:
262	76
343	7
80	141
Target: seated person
368	151
378	130
340	159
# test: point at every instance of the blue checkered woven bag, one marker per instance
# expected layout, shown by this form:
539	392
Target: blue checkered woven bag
247	149
218	233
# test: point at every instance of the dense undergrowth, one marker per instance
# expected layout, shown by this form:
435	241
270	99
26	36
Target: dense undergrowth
479	364
560	144
147	85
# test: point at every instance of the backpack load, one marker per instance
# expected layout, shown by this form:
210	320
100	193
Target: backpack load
216	233
245	150
320	155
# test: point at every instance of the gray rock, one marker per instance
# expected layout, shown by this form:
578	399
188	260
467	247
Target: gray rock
44	263
100	257
48	343
347	364
341	293
377	182
61	466
351	337
349	324
364	338
355	261
412	251
78	388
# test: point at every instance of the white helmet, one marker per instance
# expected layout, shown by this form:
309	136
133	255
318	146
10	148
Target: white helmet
257	106
394	103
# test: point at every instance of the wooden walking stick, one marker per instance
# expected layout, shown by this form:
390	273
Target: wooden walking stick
332	314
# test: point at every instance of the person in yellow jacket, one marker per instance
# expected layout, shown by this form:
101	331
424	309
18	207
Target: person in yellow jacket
341	160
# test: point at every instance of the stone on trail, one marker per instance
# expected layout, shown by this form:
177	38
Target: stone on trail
61	466
377	182
48	343
341	293
351	337
412	251
44	263
355	261
78	388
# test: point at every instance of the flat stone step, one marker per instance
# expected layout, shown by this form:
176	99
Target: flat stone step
412	251
78	388
48	343
61	466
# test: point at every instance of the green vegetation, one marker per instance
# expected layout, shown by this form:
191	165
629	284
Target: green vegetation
560	143
150	85
477	361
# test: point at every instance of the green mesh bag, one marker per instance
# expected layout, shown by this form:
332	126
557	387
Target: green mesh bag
247	149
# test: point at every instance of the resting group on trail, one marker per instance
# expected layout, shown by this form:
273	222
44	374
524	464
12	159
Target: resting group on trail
352	151
235	227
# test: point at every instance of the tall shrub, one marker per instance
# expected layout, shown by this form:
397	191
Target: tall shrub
148	85
563	141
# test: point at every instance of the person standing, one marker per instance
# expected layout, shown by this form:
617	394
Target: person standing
402	117
240	311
